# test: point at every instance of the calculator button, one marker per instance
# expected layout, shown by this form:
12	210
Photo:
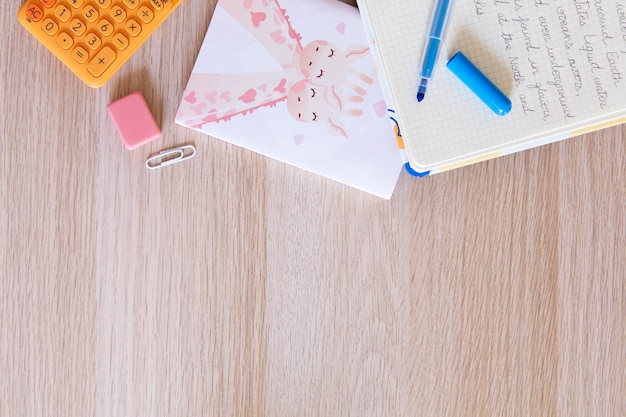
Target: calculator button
157	4
48	3
120	41
105	27
34	12
65	40
63	13
145	14
76	3
132	27
131	4
104	3
78	27
90	13
118	14
101	61
50	26
93	41
80	54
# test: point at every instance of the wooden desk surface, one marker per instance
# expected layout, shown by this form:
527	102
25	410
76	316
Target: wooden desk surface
234	285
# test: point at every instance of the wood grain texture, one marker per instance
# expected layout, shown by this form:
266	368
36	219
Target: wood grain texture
234	285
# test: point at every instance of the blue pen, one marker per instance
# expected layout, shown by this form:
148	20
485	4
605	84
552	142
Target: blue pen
438	26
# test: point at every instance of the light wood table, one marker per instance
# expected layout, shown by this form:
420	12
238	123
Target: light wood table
234	285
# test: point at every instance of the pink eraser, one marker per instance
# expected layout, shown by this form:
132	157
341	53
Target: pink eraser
133	120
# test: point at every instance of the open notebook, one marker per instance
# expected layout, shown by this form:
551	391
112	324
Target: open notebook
562	64
295	80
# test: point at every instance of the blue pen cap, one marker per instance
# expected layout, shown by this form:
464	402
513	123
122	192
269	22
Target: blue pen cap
480	85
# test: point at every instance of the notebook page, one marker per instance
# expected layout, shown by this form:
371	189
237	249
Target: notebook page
562	65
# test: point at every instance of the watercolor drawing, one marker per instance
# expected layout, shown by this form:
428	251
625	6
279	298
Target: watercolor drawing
317	80
295	80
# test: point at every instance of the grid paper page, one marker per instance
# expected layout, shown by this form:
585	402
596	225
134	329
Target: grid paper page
560	63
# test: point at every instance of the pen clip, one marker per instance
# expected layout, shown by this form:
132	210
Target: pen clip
170	156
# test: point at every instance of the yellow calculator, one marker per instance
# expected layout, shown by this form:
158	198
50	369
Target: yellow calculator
94	37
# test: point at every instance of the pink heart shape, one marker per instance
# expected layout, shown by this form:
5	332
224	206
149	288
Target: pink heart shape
249	96
298	139
212	97
341	28
257	18
198	108
280	88
225	96
278	36
191	97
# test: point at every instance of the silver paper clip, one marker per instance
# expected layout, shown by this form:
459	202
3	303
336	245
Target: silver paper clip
170	156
